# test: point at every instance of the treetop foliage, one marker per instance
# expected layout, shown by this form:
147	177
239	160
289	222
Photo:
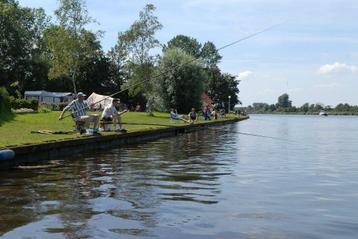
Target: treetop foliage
73	15
39	53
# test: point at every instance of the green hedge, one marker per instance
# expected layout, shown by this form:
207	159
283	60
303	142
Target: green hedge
23	103
4	101
53	106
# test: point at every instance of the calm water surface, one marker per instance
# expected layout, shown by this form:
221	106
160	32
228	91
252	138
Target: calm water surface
268	177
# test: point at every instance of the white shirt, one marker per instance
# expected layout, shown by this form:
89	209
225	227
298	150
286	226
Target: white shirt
109	111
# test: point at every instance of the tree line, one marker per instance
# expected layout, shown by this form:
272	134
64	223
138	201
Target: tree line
62	54
284	106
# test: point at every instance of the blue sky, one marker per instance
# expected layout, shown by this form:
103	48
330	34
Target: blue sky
313	55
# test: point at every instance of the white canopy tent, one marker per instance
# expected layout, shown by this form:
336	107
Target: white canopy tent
100	101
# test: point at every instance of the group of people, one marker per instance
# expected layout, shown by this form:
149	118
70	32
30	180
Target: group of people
193	116
111	117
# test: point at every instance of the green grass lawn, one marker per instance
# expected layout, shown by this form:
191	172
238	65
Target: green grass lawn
16	130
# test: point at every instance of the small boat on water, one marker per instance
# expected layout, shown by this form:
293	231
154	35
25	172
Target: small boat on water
323	113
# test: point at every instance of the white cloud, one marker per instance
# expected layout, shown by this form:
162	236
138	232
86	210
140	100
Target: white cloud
337	68
332	85
244	75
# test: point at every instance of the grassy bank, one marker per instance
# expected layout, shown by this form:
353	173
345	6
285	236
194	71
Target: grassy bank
17	130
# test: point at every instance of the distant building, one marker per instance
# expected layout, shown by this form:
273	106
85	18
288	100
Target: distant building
49	97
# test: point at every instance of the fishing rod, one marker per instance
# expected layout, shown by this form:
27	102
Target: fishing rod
178	66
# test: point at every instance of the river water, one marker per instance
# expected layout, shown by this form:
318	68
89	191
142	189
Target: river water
267	177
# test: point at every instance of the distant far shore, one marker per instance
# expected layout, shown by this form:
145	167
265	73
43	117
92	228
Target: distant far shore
305	113
284	107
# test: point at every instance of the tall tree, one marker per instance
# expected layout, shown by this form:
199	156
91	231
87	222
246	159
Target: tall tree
70	43
117	59
73	15
16	36
283	101
39	66
181	81
20	40
207	52
222	85
118	56
188	44
135	45
63	50
210	55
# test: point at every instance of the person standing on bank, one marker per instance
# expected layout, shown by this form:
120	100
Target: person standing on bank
206	113
79	108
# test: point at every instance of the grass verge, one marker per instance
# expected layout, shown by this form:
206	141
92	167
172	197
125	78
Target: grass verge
17	131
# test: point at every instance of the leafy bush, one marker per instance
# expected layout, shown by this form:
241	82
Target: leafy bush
43	109
23	103
52	106
4	101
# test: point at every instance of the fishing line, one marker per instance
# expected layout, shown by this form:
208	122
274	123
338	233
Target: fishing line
265	136
288	142
178	66
249	36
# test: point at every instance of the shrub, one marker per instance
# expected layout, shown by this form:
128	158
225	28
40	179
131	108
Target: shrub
53	106
44	110
4	101
23	103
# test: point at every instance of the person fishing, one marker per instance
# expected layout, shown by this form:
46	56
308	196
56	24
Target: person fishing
79	107
111	114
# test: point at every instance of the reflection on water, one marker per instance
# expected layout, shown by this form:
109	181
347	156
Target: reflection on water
216	183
